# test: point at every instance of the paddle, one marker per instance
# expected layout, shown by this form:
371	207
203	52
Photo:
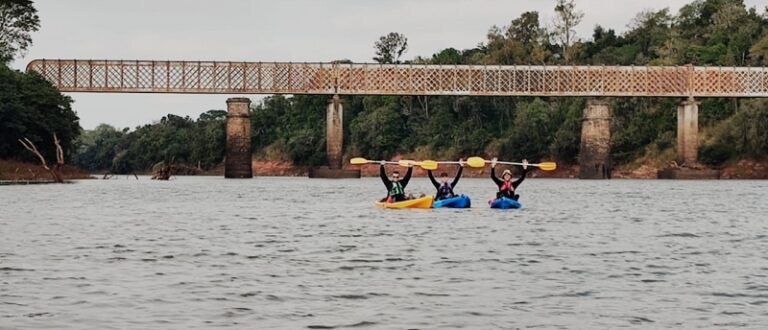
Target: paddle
479	162
434	164
427	165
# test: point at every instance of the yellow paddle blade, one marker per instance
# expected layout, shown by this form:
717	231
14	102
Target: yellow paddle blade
549	166
406	163
429	165
476	162
358	161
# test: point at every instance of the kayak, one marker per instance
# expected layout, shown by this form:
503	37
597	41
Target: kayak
504	203
458	202
417	203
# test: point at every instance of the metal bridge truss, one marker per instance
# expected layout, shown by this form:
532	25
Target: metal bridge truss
200	77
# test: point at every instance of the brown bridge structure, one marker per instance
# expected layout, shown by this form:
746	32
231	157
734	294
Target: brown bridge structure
334	79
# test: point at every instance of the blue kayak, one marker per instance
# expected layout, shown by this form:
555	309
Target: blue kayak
504	203
458	202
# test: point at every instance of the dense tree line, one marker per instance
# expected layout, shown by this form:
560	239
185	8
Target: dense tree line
32	108
173	139
704	32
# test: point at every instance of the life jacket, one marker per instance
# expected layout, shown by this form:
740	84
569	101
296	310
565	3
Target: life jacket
397	189
507	187
445	190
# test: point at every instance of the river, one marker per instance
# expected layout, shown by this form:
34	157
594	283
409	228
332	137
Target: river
294	253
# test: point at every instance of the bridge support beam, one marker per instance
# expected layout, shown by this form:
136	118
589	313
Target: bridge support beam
238	163
688	133
595	153
334	140
688	166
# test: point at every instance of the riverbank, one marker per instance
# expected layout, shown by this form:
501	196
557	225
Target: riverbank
11	170
740	170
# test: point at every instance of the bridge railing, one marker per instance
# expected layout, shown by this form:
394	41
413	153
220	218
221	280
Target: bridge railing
363	79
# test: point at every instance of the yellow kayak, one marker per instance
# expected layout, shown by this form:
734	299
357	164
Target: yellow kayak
418	203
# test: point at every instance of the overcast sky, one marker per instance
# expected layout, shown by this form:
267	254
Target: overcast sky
287	30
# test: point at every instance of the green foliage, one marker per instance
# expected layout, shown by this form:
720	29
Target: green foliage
639	122
710	32
178	139
715	154
531	135
390	48
567	17
379	132
18	18
32	108
567	139
96	149
743	134
704	32
296	124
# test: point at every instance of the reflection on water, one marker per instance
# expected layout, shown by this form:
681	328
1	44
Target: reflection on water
315	254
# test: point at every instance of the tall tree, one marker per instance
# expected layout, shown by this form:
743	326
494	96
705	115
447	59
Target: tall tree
526	29
18	19
760	49
565	22
390	47
30	107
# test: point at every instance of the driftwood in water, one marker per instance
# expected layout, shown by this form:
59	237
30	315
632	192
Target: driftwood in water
54	170
163	171
110	175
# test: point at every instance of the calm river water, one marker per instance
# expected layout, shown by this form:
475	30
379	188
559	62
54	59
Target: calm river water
293	253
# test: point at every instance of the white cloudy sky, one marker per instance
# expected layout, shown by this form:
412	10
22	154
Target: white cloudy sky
286	30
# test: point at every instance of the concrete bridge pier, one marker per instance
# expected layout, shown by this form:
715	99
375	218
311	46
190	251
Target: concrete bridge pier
688	133
238	163
334	145
595	153
688	166
334	116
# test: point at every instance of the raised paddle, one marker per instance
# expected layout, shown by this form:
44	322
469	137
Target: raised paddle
479	162
432	164
427	165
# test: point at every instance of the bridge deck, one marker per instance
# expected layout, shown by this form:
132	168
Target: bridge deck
368	79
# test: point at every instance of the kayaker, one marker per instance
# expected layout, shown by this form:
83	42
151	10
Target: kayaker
395	185
445	188
507	187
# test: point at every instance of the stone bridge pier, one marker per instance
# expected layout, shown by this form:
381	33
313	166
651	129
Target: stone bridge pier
238	162
595	152
688	133
688	166
334	140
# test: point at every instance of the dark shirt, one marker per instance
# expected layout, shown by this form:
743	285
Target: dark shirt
388	182
437	184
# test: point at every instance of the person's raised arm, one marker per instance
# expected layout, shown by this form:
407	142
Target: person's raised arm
432	178
496	180
383	175
407	176
458	176
520	179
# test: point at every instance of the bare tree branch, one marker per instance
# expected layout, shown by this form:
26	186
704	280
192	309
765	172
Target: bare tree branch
56	170
31	147
59	151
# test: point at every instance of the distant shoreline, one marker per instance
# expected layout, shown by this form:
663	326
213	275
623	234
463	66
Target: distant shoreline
14	172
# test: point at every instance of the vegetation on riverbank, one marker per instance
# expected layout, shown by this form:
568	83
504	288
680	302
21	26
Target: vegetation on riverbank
11	170
290	128
705	32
